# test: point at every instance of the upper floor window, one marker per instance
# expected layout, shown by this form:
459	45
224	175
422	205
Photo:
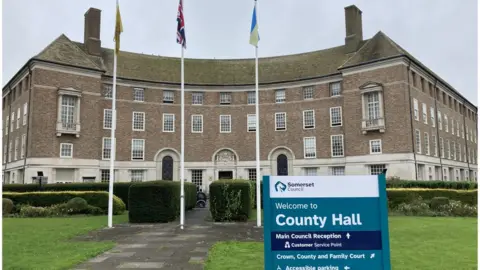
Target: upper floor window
251	97
138	149
138	123
415	109
66	150
68	109
68	118
168	96
372	107
18	118
108	91
376	146
335	89
446	122
168	122
418	141
197	98
7	122
197	123
280	96
308	92
432	116
439	117
337	145
225	97
309	147
107	118
424	113
281	121
106	148
225	123
335	116
308	119
25	109
138	94
251	122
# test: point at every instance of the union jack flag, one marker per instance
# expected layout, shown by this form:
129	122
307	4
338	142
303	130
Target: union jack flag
181	27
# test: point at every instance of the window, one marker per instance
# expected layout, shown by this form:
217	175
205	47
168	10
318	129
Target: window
335	89
251	123
105	176
308	119
18	118
251	97
138	149
442	148
452	127
168	96
66	150
107	118
7	121
376	146
281	121
415	109
139	94
467	133
24	142
464	153
435	146
68	110
311	171
459	152
138	123
197	98
5	151
225	123
424	113
106	148
336	116
25	109
427	143
418	141
197	179
337	145
252	174
308	92
309	147
225	98
439	117
373	105
448	148
338	170
197	123
471	135
446	122
10	152
463	132
454	152
107	91
16	149
377	169
458	129
432	116
474	136
280	96
137	175
168	122
12	122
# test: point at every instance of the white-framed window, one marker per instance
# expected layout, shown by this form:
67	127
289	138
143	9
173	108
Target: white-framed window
474	136
372	101
310	171
280	96
439	117
447	142
442	148
168	96
139	94
432	116
308	119
464	153
337	145
68	110
137	175
452	126
435	146
337	170
197	179
426	138
467	132
197	98
7	124
458	129
252	174
445	118
418	141
16	149
105	176
281	121
336	116
106	148
424	113
108	91
335	89
138	123
24	143
168	122
138	149
225	97
463	132
415	109
459	152
107	118
25	109
309	147
197	123
376	169
251	97
12	122
375	146
251	122
5	151
10	151
471	135
454	152
66	150
225	123
18	118
308	92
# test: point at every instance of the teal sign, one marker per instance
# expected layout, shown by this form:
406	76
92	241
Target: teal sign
326	223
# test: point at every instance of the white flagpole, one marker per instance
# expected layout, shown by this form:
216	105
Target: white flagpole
182	147
112	142
257	135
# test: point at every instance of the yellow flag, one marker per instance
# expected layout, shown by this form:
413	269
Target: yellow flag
118	29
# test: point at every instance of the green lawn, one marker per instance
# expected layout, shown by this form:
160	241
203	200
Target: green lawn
415	243
43	243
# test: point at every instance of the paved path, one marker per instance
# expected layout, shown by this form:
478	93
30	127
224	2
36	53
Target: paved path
166	246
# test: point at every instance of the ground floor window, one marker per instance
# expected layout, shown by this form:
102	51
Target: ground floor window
137	175
197	179
337	170
105	176
310	171
252	174
377	169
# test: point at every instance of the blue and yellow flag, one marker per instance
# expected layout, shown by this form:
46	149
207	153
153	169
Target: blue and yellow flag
254	36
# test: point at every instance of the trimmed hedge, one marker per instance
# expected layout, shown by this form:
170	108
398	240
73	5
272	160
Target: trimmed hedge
230	200
48	198
405	195
158	201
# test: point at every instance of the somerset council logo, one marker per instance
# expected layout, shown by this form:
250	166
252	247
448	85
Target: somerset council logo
279	186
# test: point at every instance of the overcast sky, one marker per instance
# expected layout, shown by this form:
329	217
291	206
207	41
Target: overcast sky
440	33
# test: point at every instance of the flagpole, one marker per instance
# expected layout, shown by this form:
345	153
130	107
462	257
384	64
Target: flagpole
257	136
112	142
182	146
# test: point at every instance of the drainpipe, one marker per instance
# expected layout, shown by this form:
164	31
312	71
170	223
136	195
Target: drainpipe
466	141
437	129
29	109
411	120
9	123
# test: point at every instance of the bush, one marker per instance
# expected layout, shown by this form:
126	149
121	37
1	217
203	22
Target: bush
77	205
158	201
7	206
403	195
416	207
94	198
230	200
437	202
397	183
458	209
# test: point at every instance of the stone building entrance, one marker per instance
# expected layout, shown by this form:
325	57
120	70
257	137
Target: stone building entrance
225	161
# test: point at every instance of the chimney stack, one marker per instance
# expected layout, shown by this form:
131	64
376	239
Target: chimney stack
91	37
353	27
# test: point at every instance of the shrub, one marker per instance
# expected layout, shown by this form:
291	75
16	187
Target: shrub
230	200
77	205
403	195
458	209
437	202
416	207
34	211
395	182
158	201
7	206
48	198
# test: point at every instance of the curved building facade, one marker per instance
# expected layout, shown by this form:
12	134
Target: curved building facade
358	108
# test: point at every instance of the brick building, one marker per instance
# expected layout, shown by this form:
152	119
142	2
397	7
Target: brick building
357	108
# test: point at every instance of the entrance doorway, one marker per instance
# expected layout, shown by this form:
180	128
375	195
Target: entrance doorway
225	175
282	165
167	168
